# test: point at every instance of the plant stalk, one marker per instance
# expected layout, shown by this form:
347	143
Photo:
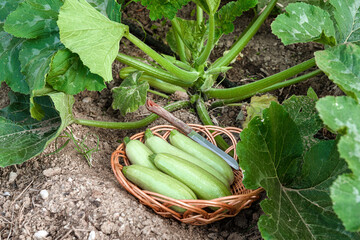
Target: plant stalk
268	89
132	125
179	42
199	15
158	93
187	76
152	71
239	45
255	87
210	42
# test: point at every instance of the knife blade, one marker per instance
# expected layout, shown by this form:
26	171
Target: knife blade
153	107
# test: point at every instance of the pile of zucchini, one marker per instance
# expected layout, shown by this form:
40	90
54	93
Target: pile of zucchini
181	170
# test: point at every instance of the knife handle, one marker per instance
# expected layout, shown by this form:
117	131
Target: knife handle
153	107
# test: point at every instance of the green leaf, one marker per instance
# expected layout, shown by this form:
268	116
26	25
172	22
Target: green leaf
109	8
298	204
347	20
345	194
304	114
90	34
342	114
131	94
192	35
35	58
312	94
10	64
304	23
342	65
69	75
209	6
163	8
21	136
33	18
227	14
6	7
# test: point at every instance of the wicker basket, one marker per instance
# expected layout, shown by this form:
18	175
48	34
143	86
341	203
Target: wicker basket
197	211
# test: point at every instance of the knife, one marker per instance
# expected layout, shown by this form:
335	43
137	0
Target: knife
153	107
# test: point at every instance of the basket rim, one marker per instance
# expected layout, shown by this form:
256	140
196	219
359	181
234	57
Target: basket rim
228	203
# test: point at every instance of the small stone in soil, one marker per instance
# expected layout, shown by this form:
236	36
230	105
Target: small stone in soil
52	171
44	194
92	235
12	177
6	194
42	234
87	100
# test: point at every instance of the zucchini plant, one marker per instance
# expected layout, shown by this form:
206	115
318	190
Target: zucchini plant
51	50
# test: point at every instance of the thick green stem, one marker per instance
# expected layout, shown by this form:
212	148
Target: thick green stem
158	93
268	89
186	76
206	120
254	87
152	71
199	15
210	42
239	45
179	42
131	125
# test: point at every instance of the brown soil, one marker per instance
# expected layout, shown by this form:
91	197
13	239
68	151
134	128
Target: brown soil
83	199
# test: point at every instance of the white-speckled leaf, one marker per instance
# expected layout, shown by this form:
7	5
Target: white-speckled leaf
21	136
298	205
69	75
33	18
342	65
304	23
347	20
91	35
35	57
130	94
342	114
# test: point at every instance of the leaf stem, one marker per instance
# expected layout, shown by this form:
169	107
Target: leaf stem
152	71
255	87
199	15
239	45
186	76
268	89
158	93
132	125
210	42
179	42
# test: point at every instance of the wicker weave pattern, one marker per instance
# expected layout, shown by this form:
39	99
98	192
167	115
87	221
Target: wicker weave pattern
197	212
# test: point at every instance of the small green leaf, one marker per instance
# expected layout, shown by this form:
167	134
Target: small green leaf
312	94
68	74
131	94
298	204
227	14
21	136
10	64
342	65
163	8
33	18
347	20
342	114
35	58
304	23
304	114
90	34
345	194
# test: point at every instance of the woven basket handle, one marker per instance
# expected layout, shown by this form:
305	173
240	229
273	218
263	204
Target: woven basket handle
153	107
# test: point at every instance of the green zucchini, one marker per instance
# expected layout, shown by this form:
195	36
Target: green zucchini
138	153
158	182
191	147
159	145
203	184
